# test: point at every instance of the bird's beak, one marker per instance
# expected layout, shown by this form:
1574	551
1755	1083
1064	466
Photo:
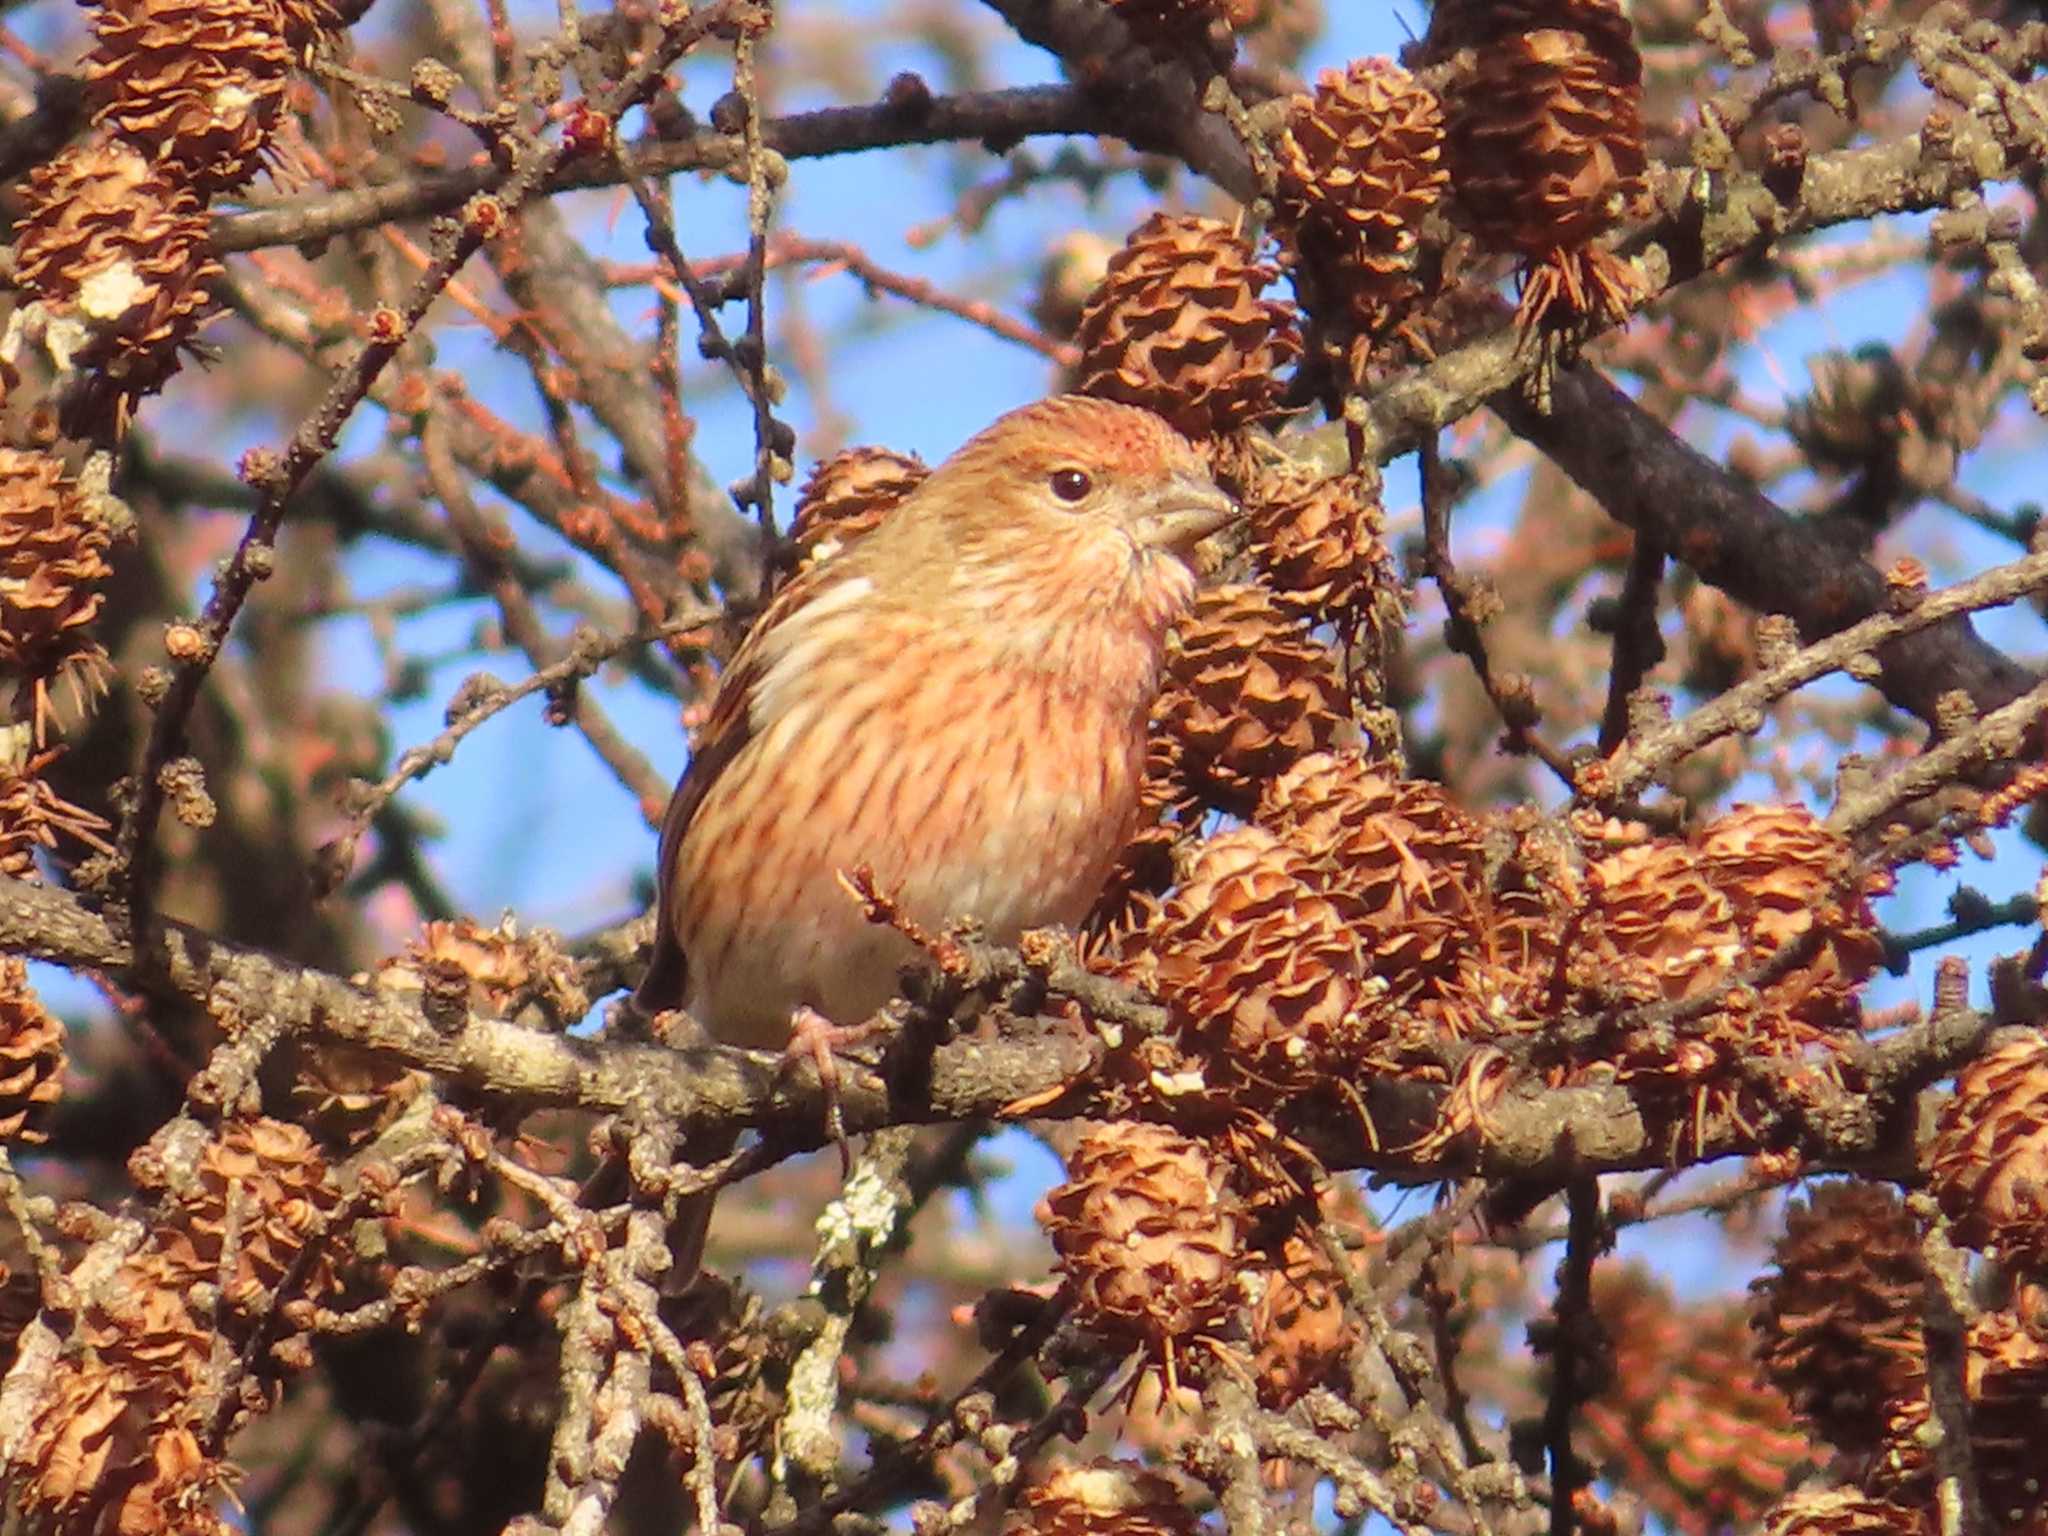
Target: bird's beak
1183	512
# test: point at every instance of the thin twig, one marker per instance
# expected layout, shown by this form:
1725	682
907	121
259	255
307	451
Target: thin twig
1944	1317
1464	605
482	698
2000	739
1638	643
279	477
1573	1325
1641	762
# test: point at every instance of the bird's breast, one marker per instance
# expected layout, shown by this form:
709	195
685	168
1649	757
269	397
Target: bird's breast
971	785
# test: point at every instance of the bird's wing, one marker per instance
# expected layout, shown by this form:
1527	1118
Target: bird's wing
725	734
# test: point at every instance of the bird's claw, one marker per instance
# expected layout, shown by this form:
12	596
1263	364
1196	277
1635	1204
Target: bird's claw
816	1039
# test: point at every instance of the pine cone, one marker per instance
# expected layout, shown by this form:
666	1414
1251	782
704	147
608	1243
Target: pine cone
1103	1498
1545	142
1319	543
31	1055
100	1473
112	1450
83	1426
1777	863
1263	973
32	815
1361	168
346	1096
53	548
197	85
1655	930
304	20
1838	1322
1413	866
1249	691
1667	922
2005	1381
497	970
1988	1163
847	495
1685	1421
144	1327
1148	1236
1177	326
284	1195
1843	1512
1789	878
117	256
178	1492
1401	846
1459	24
1300	1338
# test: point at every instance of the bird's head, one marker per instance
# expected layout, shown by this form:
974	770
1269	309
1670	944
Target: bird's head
1073	509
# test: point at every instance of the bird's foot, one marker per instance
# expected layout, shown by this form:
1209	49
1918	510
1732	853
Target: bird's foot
816	1039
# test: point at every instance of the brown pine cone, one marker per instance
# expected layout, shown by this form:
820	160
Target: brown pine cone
1300	1337
1103	1498
1655	929
1790	880
1249	691
2005	1381
33	816
1838	1319
1458	24
1178	327
53	558
117	258
31	1055
304	20
1149	1237
494	971
145	1327
1454	961
1264	974
1361	168
198	85
284	1194
1545	143
1319	542
1988	1162
847	495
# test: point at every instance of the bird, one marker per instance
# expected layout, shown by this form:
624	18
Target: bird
955	704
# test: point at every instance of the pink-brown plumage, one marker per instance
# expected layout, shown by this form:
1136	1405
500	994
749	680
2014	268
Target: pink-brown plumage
957	701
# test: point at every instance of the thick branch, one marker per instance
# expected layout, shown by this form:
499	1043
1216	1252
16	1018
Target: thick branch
1531	1131
1741	541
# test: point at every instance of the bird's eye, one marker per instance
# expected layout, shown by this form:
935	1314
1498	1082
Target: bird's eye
1071	484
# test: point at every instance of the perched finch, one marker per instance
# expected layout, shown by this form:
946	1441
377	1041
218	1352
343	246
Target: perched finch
956	700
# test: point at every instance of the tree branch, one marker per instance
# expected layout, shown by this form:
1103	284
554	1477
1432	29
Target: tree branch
1735	537
998	118
1530	1131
